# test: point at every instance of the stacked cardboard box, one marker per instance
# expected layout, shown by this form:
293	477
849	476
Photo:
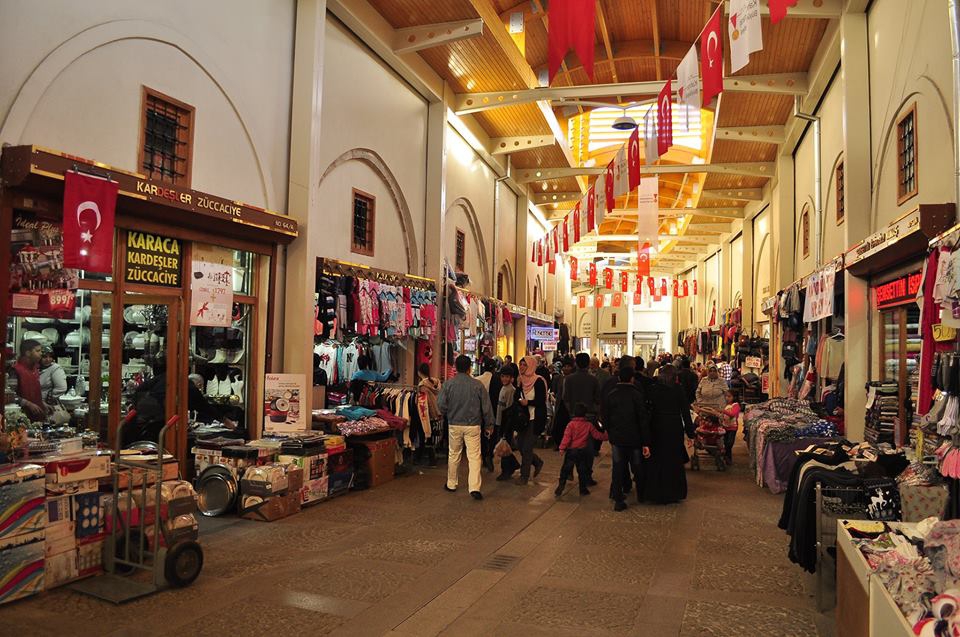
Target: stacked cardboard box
311	457
22	520
266	508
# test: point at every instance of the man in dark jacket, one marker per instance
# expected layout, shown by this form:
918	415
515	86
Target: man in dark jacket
626	421
582	387
688	379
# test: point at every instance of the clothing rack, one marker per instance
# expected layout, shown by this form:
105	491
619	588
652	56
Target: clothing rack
344	268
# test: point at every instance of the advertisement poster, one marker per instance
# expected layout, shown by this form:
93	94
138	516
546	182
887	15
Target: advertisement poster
211	286
819	301
283	396
40	285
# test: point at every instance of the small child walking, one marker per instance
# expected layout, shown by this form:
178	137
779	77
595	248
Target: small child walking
577	449
731	421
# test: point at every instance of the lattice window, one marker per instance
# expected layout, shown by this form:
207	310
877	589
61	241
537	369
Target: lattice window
841	209
461	250
500	285
907	155
363	223
166	138
613	320
805	231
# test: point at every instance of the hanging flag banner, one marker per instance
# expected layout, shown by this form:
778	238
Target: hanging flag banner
621	176
89	204
819	301
608	278
211	294
599	196
592	273
624	281
686	289
711	58
582	302
565	235
650	284
665	119
643	260
688	77
584	221
637	298
555	234
663	287
552	266
648	210
598	300
743	27
577	230
574	273
676	288
633	160
694	287
650	137
617	299
778	9
571	26
591	213
609	182
598	212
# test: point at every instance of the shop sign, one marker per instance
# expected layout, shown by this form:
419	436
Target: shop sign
283	396
39	284
765	383
754	361
878	241
898	291
819	301
152	259
211	294
535	333
586	328
470	344
548	346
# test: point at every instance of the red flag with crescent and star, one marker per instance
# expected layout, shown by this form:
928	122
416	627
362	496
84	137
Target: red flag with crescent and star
676	288
89	206
686	289
637	297
608	278
663	287
592	272
624	281
574	274
711	58
611	198
664	123
643	259
633	159
778	9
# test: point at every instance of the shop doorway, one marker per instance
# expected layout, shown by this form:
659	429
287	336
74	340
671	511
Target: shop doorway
900	344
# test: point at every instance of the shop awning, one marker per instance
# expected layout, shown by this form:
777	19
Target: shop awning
904	239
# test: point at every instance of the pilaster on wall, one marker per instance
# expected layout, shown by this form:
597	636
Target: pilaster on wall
782	232
520	276
748	282
436	203
303	193
855	83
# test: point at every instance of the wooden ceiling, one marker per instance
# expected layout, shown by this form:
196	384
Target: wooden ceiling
635	41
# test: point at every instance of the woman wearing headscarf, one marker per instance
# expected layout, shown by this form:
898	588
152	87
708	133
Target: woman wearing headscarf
665	479
533	396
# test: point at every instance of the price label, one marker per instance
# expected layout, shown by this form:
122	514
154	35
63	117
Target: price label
61	300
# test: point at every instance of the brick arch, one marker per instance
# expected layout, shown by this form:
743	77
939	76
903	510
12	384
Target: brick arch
464	204
376	163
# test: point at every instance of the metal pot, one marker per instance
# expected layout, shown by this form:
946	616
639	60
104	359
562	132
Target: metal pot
216	491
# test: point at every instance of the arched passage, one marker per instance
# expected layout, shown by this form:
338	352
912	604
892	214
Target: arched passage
372	160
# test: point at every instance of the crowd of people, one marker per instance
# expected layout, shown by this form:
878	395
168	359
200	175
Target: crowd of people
646	410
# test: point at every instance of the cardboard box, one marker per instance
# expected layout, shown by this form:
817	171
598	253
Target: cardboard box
339	483
90	555
171	471
270	509
87	466
60	569
314	467
72	488
314	491
87	513
340	462
60	537
267	482
295	480
382	463
22	499
59	508
21	565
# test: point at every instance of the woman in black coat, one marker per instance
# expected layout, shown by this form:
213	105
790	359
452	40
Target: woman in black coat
532	394
665	479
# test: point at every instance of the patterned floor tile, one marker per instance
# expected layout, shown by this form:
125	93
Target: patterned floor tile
604	567
741	577
347	581
544	606
261	618
642	514
624	537
717	619
416	551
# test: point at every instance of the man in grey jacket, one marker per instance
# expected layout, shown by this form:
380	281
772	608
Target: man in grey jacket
466	404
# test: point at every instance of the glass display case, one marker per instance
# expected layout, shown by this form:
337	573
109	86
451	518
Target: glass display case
900	345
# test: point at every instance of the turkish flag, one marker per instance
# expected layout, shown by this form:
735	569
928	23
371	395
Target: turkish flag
608	278
778	9
576	224
633	159
694	286
571	26
643	260
686	289
611	198
676	288
711	57
664	124
582	301
591	211
574	275
89	206
556	240
637	297
598	300
552	266
565	236
663	287
592	272
650	284
617	299
624	281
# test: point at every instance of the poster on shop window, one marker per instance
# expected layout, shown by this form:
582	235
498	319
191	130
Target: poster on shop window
283	396
211	289
40	285
819	301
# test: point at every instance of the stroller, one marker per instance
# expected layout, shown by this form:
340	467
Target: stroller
709	442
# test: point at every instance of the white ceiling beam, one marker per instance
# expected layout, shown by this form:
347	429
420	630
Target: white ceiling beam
804	9
710	227
530	175
720	213
749	169
506	145
762	134
426	36
738	194
689	239
788	83
556	197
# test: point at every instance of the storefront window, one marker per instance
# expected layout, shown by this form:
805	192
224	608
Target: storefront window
244	264
219	369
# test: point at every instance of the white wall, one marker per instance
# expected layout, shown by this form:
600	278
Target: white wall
735	291
506	250
71	76
374	135
762	263
909	46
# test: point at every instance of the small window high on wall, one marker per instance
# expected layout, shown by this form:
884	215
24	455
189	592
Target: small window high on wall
613	320
805	231
166	138
500	285
364	223
907	155
841	211
461	250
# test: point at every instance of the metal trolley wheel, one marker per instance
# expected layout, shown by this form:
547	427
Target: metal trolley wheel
183	563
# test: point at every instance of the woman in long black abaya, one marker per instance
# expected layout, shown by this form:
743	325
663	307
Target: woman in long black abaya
665	479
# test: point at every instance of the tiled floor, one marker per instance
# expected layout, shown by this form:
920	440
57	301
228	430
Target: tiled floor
409	559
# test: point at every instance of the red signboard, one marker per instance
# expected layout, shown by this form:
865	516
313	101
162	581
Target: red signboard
898	291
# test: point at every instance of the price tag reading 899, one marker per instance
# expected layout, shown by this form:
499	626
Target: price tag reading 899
61	300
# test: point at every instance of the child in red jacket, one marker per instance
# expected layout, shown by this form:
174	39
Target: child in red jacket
577	450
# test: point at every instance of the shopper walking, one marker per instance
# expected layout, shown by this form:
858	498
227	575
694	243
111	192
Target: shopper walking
625	419
724	369
466	405
533	396
665	479
730	419
508	391
711	390
577	450
491	383
562	413
582	387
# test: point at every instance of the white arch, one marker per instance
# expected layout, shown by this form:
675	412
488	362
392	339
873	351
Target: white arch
507	273
464	204
372	160
56	62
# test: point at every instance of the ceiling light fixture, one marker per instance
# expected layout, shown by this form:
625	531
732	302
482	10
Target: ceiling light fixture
673	228
624	122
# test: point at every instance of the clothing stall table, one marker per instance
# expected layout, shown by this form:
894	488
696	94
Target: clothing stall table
779	458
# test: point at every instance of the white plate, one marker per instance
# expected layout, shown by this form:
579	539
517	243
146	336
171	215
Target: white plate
52	335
